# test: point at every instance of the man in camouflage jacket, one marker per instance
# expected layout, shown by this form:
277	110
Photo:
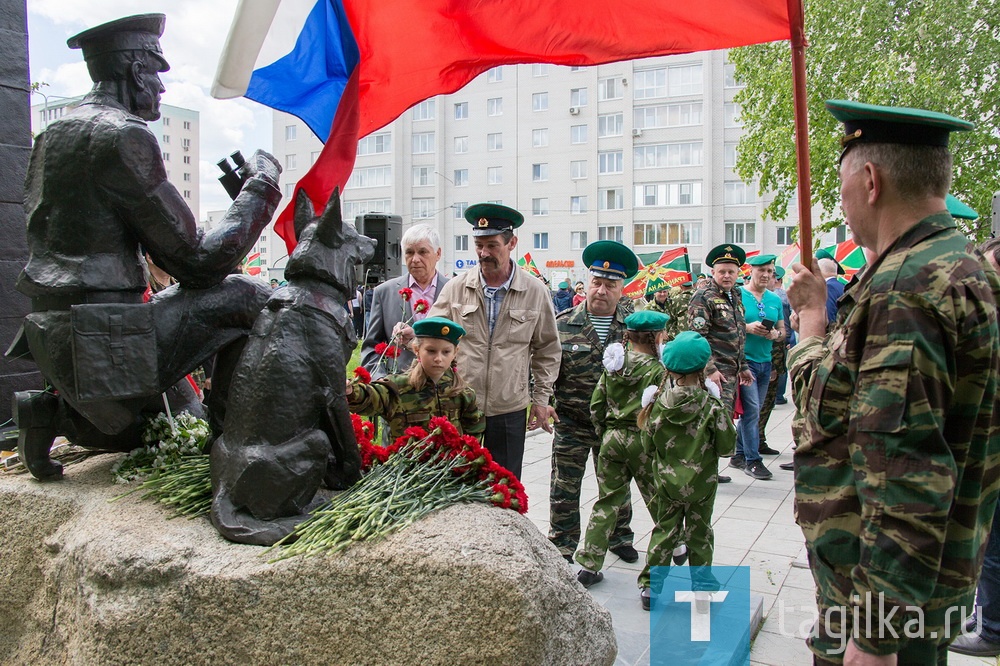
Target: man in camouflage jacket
675	305
896	471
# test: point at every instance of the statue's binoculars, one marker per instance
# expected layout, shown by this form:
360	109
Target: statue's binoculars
232	179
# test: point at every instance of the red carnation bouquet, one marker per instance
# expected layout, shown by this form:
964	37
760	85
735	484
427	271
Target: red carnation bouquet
414	476
390	350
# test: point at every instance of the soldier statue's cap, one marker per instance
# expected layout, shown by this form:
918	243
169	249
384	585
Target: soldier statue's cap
438	327
489	219
762	260
132	33
726	254
688	352
647	320
610	259
959	209
779	272
868	123
825	254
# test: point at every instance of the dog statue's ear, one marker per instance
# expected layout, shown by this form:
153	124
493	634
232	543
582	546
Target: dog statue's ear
330	229
304	213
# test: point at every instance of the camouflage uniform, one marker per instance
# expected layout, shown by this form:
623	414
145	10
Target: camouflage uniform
676	307
687	432
718	316
403	406
579	372
613	409
896	467
778	367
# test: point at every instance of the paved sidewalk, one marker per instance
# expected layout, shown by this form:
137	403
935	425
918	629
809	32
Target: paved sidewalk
754	527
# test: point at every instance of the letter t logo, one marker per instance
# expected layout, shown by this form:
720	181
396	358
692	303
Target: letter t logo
701	612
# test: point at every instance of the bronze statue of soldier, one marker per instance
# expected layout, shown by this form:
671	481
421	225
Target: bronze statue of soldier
97	192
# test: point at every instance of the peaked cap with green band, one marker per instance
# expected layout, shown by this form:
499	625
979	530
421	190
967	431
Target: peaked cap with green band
438	327
959	209
726	254
869	123
611	260
488	219
647	320
688	352
825	254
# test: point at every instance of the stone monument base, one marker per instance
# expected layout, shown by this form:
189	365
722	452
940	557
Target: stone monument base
85	581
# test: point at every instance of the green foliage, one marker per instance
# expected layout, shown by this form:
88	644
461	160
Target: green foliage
942	55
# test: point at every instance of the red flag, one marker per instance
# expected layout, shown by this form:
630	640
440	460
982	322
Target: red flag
671	269
745	268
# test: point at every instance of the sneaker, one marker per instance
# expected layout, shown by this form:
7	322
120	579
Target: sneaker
970	624
626	552
647	599
725	479
757	470
974	645
680	555
738	462
588	578
766	450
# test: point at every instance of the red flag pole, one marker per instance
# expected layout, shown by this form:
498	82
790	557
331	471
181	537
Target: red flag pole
796	20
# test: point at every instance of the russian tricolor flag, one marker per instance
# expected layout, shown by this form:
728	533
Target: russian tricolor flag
357	65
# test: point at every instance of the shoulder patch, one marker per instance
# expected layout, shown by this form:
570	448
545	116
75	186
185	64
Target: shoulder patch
698	322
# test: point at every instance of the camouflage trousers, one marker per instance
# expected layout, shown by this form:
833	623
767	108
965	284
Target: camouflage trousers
730	379
621	459
572	444
687	521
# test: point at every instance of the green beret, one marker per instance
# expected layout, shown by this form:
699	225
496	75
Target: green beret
868	123
488	219
959	209
438	327
688	352
647	320
564	285
609	259
779	272
726	254
825	254
762	260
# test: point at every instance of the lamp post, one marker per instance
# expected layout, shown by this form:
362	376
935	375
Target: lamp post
274	268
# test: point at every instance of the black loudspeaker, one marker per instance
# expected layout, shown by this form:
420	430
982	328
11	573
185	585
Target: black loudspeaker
386	231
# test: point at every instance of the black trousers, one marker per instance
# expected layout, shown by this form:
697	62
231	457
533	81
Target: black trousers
504	439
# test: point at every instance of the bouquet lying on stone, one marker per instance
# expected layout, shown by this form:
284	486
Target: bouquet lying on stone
416	475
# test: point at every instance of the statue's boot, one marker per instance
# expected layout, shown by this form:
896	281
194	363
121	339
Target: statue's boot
37	415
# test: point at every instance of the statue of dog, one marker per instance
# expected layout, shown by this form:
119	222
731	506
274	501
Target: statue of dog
288	428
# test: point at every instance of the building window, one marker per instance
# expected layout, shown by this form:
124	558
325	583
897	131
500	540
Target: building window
373	144
729	70
290	132
187	194
539	138
461	177
578	97
668	194
612	198
785	235
494	175
423	142
650	83
668	115
731	113
187	159
462	243
840	233
462	111
166	157
290	161
423	209
494	141
424	110
290	189
540	101
667	155
610	162
461	144
577	240
376	176
186	143
494	75
609	89
187	124
354	208
539	172
729	155
612	233
540	206
578	169
423	176
685	80
610	124
740	232
459	207
578	134
737	193
540	241
166	122
577	205
494	106
539	69
187	177
166	138
667	233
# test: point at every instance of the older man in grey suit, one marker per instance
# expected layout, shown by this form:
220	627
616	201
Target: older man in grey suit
421	252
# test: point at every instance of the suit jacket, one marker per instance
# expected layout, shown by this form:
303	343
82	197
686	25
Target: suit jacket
387	310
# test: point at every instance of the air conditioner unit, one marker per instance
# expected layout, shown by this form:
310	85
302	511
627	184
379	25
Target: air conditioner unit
574	110
637	132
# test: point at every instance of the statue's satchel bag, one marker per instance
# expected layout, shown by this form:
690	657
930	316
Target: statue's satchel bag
114	351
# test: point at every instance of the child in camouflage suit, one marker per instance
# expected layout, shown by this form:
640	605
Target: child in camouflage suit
432	387
686	429
614	406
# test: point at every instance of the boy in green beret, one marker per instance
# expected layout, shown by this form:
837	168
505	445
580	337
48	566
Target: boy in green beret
686	428
613	410
432	386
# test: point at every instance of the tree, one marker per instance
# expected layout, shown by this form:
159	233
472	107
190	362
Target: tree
942	55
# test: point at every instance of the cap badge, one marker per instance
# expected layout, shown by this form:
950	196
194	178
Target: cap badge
483	222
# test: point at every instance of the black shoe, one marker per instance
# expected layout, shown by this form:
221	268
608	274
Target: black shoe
738	462
974	645
588	578
725	479
757	470
568	558
780	401
681	558
789	466
970	625
646	597
626	552
35	413
766	450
